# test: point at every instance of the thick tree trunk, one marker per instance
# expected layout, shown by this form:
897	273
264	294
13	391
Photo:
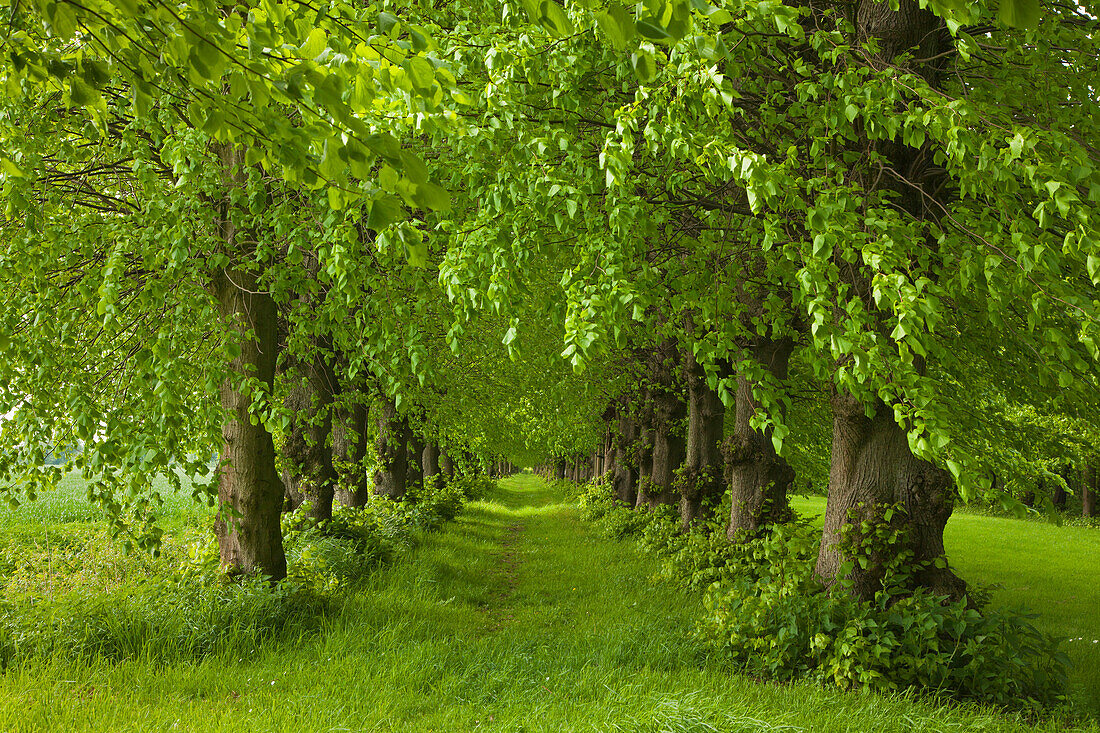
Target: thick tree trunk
349	447
446	466
701	478
668	450
250	492
759	479
625	476
308	472
872	470
643	455
392	448
872	465
559	469
430	461
415	476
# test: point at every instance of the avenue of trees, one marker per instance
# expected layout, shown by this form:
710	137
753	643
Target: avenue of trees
696	247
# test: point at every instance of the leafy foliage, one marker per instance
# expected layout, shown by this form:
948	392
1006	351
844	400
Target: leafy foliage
765	606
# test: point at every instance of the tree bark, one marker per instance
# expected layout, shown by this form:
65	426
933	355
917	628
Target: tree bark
559	469
415	476
668	453
308	473
872	465
668	442
643	453
349	447
759	478
625	472
701	478
430	460
446	466
392	448
250	492
872	470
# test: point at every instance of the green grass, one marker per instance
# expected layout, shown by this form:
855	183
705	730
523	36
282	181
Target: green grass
61	543
517	618
1049	570
68	503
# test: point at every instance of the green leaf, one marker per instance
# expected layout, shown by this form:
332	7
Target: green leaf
332	163
418	254
553	18
62	19
421	73
644	67
1020	13
415	246
617	25
386	22
413	168
385	145
384	211
430	196
11	170
650	28
316	42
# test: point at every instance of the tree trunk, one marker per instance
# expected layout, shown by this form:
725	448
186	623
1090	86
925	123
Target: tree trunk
415	476
559	469
308	472
625	473
430	461
872	465
872	470
392	448
250	492
643	455
446	466
668	451
1057	495
759	479
349	446
701	478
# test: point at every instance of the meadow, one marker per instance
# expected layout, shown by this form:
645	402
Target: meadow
519	616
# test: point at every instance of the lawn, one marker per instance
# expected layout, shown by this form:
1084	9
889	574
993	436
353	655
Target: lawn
517	617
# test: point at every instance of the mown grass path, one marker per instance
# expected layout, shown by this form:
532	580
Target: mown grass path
517	618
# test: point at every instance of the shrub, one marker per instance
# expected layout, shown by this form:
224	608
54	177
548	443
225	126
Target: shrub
768	609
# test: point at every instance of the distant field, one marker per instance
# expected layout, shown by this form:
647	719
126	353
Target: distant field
1052	571
61	544
69	503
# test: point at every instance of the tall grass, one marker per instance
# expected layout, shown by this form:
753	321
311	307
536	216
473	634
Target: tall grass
66	590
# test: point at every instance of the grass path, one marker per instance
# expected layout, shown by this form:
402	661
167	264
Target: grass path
516	618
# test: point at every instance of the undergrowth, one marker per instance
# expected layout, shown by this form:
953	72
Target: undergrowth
69	594
766	608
